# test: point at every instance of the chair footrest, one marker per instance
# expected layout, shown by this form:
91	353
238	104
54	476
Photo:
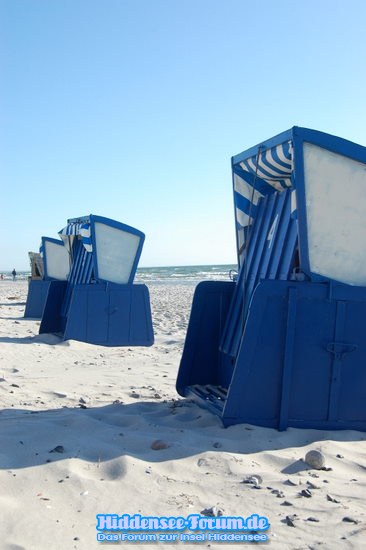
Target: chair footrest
213	395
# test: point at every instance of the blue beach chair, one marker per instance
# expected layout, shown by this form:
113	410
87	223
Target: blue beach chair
98	303
51	264
285	345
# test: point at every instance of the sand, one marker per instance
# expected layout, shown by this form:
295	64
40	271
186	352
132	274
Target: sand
77	422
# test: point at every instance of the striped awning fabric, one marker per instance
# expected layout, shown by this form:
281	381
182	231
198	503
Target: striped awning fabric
265	173
74	229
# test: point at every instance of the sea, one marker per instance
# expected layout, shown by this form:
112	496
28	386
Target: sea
171	275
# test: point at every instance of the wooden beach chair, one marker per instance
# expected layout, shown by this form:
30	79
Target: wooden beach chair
36	263
285	345
52	263
98	303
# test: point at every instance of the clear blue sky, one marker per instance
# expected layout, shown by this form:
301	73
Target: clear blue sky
131	109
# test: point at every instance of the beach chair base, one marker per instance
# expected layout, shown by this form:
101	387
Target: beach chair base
301	360
36	299
105	314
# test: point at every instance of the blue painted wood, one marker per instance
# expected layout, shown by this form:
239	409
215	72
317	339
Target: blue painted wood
95	315
288	358
266	259
287	261
260	369
279	241
258	391
120	321
51	319
36	299
236	312
77	318
338	349
258	252
108	314
274	241
200	361
277	381
352	376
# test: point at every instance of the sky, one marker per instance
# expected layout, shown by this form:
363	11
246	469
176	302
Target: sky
132	110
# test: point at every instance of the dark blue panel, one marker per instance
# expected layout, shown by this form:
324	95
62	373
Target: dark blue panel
51	318
97	318
110	315
312	368
200	362
326	389
141	331
352	378
288	358
301	361
36	299
76	322
120	314
140	313
255	387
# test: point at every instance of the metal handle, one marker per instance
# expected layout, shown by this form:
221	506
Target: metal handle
339	349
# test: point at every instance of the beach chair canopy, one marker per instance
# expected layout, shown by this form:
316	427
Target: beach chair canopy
110	248
325	176
56	259
36	265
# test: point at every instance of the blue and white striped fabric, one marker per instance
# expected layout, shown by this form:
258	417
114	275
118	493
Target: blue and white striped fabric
74	229
273	166
85	233
257	176
71	229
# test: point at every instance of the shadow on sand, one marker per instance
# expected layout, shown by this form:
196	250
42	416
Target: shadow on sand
47	339
99	434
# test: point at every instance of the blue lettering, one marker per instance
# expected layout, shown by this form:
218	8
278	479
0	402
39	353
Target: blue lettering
107	536
194	522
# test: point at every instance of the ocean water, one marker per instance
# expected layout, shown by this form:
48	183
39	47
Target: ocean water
21	275
184	275
172	275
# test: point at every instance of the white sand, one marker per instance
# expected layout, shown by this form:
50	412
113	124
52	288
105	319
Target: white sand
49	501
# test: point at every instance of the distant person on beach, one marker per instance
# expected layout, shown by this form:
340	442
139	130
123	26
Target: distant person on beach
2	276
14	273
